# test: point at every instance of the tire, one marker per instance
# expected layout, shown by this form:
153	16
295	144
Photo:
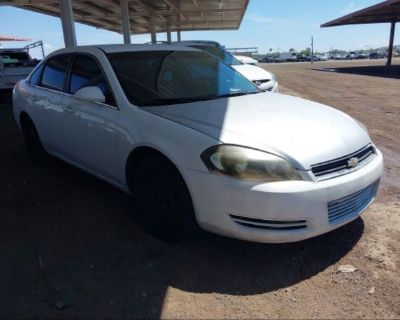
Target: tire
34	147
163	201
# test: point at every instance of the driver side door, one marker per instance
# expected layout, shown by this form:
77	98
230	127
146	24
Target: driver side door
91	130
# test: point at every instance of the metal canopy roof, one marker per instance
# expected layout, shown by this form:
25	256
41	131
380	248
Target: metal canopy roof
183	15
388	11
13	38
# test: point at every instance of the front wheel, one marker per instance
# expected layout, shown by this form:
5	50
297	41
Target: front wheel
164	202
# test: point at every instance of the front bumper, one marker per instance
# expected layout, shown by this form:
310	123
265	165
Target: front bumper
217	198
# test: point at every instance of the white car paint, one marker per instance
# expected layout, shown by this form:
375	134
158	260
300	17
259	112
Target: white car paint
265	80
265	126
246	60
98	138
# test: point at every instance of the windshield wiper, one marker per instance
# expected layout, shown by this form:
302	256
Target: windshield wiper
163	102
171	101
237	94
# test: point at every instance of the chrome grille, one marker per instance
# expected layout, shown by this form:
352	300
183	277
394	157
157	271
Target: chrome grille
343	165
270	224
353	204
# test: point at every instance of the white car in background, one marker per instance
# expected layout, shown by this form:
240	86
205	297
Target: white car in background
263	79
197	144
246	60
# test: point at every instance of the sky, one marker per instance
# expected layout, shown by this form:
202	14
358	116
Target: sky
276	24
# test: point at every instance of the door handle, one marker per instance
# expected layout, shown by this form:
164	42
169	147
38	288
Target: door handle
68	109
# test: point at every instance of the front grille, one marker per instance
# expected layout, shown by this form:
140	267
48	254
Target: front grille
353	204
342	165
270	224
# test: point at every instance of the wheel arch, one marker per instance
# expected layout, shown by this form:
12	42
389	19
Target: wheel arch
23	116
142	152
139	154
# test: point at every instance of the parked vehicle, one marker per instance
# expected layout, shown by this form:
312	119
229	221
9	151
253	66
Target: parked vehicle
197	144
322	57
339	57
301	58
267	60
363	55
15	64
264	79
246	60
376	55
288	57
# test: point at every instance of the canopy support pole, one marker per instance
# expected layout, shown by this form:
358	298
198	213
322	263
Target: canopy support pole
178	35
67	21
169	40
125	21
391	42
153	28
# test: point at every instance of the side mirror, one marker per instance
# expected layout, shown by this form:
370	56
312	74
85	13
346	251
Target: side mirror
92	94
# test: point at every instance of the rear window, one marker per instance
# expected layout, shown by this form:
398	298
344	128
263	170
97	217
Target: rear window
55	72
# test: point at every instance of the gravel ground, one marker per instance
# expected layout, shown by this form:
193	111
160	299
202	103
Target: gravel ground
70	245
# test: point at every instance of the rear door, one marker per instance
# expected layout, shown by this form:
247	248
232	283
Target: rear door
48	85
91	130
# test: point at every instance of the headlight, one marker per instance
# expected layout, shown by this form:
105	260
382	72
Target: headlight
248	164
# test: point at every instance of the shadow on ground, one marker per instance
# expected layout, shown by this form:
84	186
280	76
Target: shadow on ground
374	71
70	247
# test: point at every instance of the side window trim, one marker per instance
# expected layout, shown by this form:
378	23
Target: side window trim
68	74
102	71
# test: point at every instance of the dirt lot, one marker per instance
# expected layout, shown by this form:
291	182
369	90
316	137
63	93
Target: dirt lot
70	245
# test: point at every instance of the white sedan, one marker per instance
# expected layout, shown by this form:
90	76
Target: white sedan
246	60
197	144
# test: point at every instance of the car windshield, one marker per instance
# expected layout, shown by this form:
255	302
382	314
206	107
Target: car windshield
220	54
151	78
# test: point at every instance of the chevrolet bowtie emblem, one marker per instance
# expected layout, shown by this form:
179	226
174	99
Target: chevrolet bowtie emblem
352	163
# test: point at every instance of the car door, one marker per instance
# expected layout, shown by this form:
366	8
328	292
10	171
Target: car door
91	131
47	86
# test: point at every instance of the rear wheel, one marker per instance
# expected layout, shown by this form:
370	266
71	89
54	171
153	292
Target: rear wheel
163	199
34	146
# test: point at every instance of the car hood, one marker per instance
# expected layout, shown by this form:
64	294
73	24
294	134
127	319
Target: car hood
304	132
252	73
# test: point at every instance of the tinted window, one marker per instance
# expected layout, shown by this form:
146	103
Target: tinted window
87	73
55	72
169	77
35	77
220	54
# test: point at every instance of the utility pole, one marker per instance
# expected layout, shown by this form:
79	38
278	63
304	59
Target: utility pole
312	49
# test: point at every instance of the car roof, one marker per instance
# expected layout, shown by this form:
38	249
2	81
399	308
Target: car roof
115	48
